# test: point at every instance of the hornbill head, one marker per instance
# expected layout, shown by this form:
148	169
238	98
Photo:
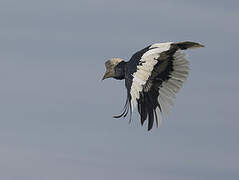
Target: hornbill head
110	67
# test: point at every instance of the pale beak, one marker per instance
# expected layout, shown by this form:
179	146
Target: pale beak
107	75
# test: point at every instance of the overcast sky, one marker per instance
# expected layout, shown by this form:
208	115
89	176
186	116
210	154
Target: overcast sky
56	115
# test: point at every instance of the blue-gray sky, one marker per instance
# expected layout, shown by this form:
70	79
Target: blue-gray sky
56	115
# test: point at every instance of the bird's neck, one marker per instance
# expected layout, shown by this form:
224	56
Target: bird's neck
120	70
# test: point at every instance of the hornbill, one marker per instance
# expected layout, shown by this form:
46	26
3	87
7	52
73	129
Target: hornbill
152	77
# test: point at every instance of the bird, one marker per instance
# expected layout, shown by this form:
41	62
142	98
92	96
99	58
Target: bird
153	76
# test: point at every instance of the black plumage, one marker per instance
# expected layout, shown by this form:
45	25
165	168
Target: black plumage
152	77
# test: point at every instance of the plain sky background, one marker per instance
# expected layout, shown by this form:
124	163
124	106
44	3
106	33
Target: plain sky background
56	115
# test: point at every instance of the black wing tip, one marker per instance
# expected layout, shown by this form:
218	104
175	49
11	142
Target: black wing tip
189	45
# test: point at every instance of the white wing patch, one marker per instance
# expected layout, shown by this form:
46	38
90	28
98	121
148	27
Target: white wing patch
140	77
170	87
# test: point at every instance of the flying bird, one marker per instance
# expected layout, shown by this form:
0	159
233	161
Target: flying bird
152	77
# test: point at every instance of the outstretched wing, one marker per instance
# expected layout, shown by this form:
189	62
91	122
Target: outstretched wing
153	77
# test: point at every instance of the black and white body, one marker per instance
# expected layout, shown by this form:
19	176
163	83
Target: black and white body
152	77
